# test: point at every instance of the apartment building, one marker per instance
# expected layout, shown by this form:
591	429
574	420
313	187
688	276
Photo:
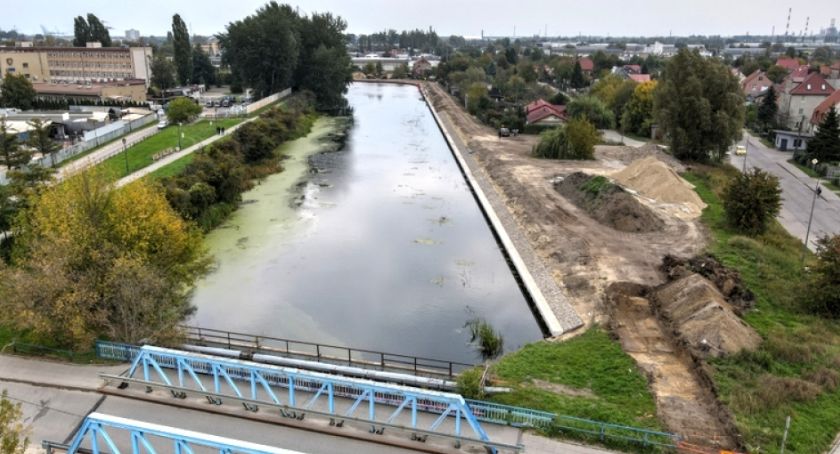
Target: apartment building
77	64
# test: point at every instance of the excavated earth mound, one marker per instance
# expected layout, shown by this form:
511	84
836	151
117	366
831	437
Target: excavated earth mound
657	180
700	316
727	280
608	203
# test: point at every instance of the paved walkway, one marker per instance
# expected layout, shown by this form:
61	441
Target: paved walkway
797	192
107	151
176	156
612	135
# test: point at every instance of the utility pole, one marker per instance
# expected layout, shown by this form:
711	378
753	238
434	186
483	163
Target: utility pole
817	191
125	155
784	437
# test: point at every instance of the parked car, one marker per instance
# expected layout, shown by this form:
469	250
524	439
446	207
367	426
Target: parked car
225	103
163	123
504	132
740	150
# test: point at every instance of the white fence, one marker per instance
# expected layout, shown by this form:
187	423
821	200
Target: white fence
97	137
255	106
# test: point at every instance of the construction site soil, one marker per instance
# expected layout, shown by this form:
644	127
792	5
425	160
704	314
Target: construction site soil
606	273
608	203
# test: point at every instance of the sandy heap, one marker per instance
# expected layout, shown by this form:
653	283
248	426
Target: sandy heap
656	180
703	319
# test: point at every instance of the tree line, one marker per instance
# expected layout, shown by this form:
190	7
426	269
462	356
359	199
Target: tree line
276	48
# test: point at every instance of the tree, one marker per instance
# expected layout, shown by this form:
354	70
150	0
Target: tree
751	201
81	32
324	67
183	51
97	261
581	137
606	88
638	112
777	74
12	431
39	139
12	155
825	145
592	109
369	69
98	32
577	80
163	73
203	71
182	110
263	48
768	109
699	106
379	70
17	91
516	88
400	72
823	296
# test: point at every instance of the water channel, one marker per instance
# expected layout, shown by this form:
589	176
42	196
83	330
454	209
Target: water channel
380	245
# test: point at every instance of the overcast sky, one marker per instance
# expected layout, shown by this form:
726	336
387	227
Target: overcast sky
461	17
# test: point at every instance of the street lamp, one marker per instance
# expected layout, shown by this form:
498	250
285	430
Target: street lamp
746	152
125	155
179	136
817	192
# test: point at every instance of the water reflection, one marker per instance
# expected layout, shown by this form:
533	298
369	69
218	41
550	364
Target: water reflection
384	249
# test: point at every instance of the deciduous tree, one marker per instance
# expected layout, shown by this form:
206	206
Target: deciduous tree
638	112
203	71
81	32
768	109
12	155
751	201
17	91
98	31
163	73
592	109
98	261
182	110
699	107
40	140
13	438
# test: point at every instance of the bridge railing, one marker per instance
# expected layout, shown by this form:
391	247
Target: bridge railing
371	359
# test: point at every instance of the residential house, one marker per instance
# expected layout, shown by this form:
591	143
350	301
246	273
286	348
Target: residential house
755	85
421	68
824	107
543	113
639	78
791	140
632	72
788	63
797	101
587	66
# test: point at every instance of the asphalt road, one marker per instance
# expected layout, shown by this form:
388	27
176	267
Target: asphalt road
797	193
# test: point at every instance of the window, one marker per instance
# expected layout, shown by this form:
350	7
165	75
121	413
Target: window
797	143
25	65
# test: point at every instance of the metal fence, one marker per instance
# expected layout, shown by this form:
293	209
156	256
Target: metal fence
79	148
326	353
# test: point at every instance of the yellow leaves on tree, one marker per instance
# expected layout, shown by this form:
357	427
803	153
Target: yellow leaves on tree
96	261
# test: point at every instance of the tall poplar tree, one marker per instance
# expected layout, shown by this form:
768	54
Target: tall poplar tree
81	32
183	51
98	32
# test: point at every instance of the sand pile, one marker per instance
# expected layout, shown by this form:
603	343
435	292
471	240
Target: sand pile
701	317
654	179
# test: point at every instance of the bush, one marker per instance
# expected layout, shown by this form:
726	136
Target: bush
824	281
751	201
490	343
576	140
469	383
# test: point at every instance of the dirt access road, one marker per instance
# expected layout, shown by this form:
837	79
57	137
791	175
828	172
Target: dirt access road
585	257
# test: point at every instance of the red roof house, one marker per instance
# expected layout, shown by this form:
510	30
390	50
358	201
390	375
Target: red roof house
813	85
541	112
788	63
756	83
639	77
824	107
587	65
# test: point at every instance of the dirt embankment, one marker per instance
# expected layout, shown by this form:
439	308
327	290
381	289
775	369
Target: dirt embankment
608	203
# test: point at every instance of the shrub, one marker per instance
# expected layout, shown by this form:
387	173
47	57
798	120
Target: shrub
490	343
576	140
751	201
182	110
824	281
469	383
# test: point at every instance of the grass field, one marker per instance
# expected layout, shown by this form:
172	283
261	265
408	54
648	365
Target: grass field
82	155
588	376
142	154
796	372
